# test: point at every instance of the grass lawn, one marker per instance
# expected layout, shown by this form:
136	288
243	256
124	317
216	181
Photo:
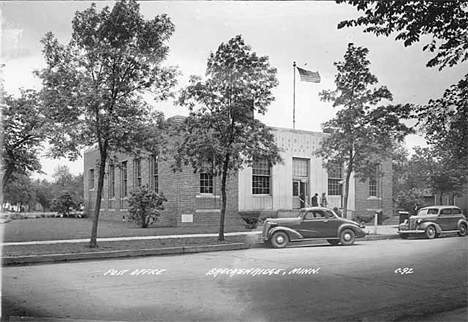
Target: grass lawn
70	228
67	248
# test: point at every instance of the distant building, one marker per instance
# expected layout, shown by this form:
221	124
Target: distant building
194	199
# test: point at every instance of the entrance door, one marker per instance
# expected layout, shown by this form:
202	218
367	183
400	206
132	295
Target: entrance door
299	194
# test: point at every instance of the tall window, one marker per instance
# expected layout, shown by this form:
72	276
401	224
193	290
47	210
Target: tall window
154	173
137	173
373	182
206	182
111	181
300	167
91	179
261	177
335	175
123	178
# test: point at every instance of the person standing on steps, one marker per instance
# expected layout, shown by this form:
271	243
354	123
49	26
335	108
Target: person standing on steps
315	200
323	201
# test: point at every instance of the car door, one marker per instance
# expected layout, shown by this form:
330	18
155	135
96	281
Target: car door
309	225
445	219
457	215
326	224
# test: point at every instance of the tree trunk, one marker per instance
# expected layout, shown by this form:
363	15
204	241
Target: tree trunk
349	170
223	198
6	176
102	169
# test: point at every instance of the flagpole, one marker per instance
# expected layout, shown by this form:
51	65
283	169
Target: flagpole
294	95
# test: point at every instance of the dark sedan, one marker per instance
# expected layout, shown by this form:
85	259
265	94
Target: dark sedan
311	223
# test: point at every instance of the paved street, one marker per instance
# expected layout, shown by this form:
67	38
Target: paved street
370	281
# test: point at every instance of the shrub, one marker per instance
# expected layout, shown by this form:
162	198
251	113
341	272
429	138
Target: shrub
145	206
370	218
251	218
64	204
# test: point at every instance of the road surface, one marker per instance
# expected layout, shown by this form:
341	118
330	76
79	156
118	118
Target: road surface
390	280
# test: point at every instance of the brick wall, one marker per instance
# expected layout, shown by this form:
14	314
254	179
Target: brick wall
181	190
367	205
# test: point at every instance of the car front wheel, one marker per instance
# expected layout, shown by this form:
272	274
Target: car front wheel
279	239
333	242
462	230
347	237
431	232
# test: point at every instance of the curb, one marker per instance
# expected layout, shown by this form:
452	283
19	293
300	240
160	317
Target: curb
54	258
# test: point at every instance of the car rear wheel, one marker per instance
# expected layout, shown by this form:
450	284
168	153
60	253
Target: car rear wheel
431	232
347	237
462	230
333	242
404	236
279	239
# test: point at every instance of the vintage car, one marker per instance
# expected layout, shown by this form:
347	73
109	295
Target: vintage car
311	223
433	221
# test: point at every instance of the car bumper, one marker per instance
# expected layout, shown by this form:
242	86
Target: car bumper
411	231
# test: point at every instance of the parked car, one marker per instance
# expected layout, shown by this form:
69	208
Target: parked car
433	221
311	223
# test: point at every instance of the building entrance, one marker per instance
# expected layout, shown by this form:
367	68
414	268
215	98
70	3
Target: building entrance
300	196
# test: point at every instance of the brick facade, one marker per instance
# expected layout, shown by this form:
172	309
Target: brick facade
368	205
185	205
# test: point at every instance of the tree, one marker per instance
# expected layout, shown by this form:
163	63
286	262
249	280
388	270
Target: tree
23	133
44	194
20	192
66	182
435	173
363	135
409	187
221	135
92	86
445	25
445	22
144	206
445	124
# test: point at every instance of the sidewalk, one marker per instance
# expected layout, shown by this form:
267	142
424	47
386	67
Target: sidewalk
252	240
384	230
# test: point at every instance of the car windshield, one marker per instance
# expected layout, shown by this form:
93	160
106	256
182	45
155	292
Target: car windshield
300	213
428	211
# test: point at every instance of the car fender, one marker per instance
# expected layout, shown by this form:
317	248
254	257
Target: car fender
356	229
461	221
291	232
426	224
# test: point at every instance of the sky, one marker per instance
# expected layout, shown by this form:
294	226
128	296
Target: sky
304	32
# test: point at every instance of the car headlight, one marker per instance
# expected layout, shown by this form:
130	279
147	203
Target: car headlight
419	221
405	222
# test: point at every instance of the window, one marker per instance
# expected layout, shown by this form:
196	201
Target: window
154	173
91	179
372	188
137	173
261	177
300	167
335	176
373	182
206	182
446	212
123	178
456	211
111	181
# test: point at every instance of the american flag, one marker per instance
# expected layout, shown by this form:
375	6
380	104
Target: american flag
308	76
